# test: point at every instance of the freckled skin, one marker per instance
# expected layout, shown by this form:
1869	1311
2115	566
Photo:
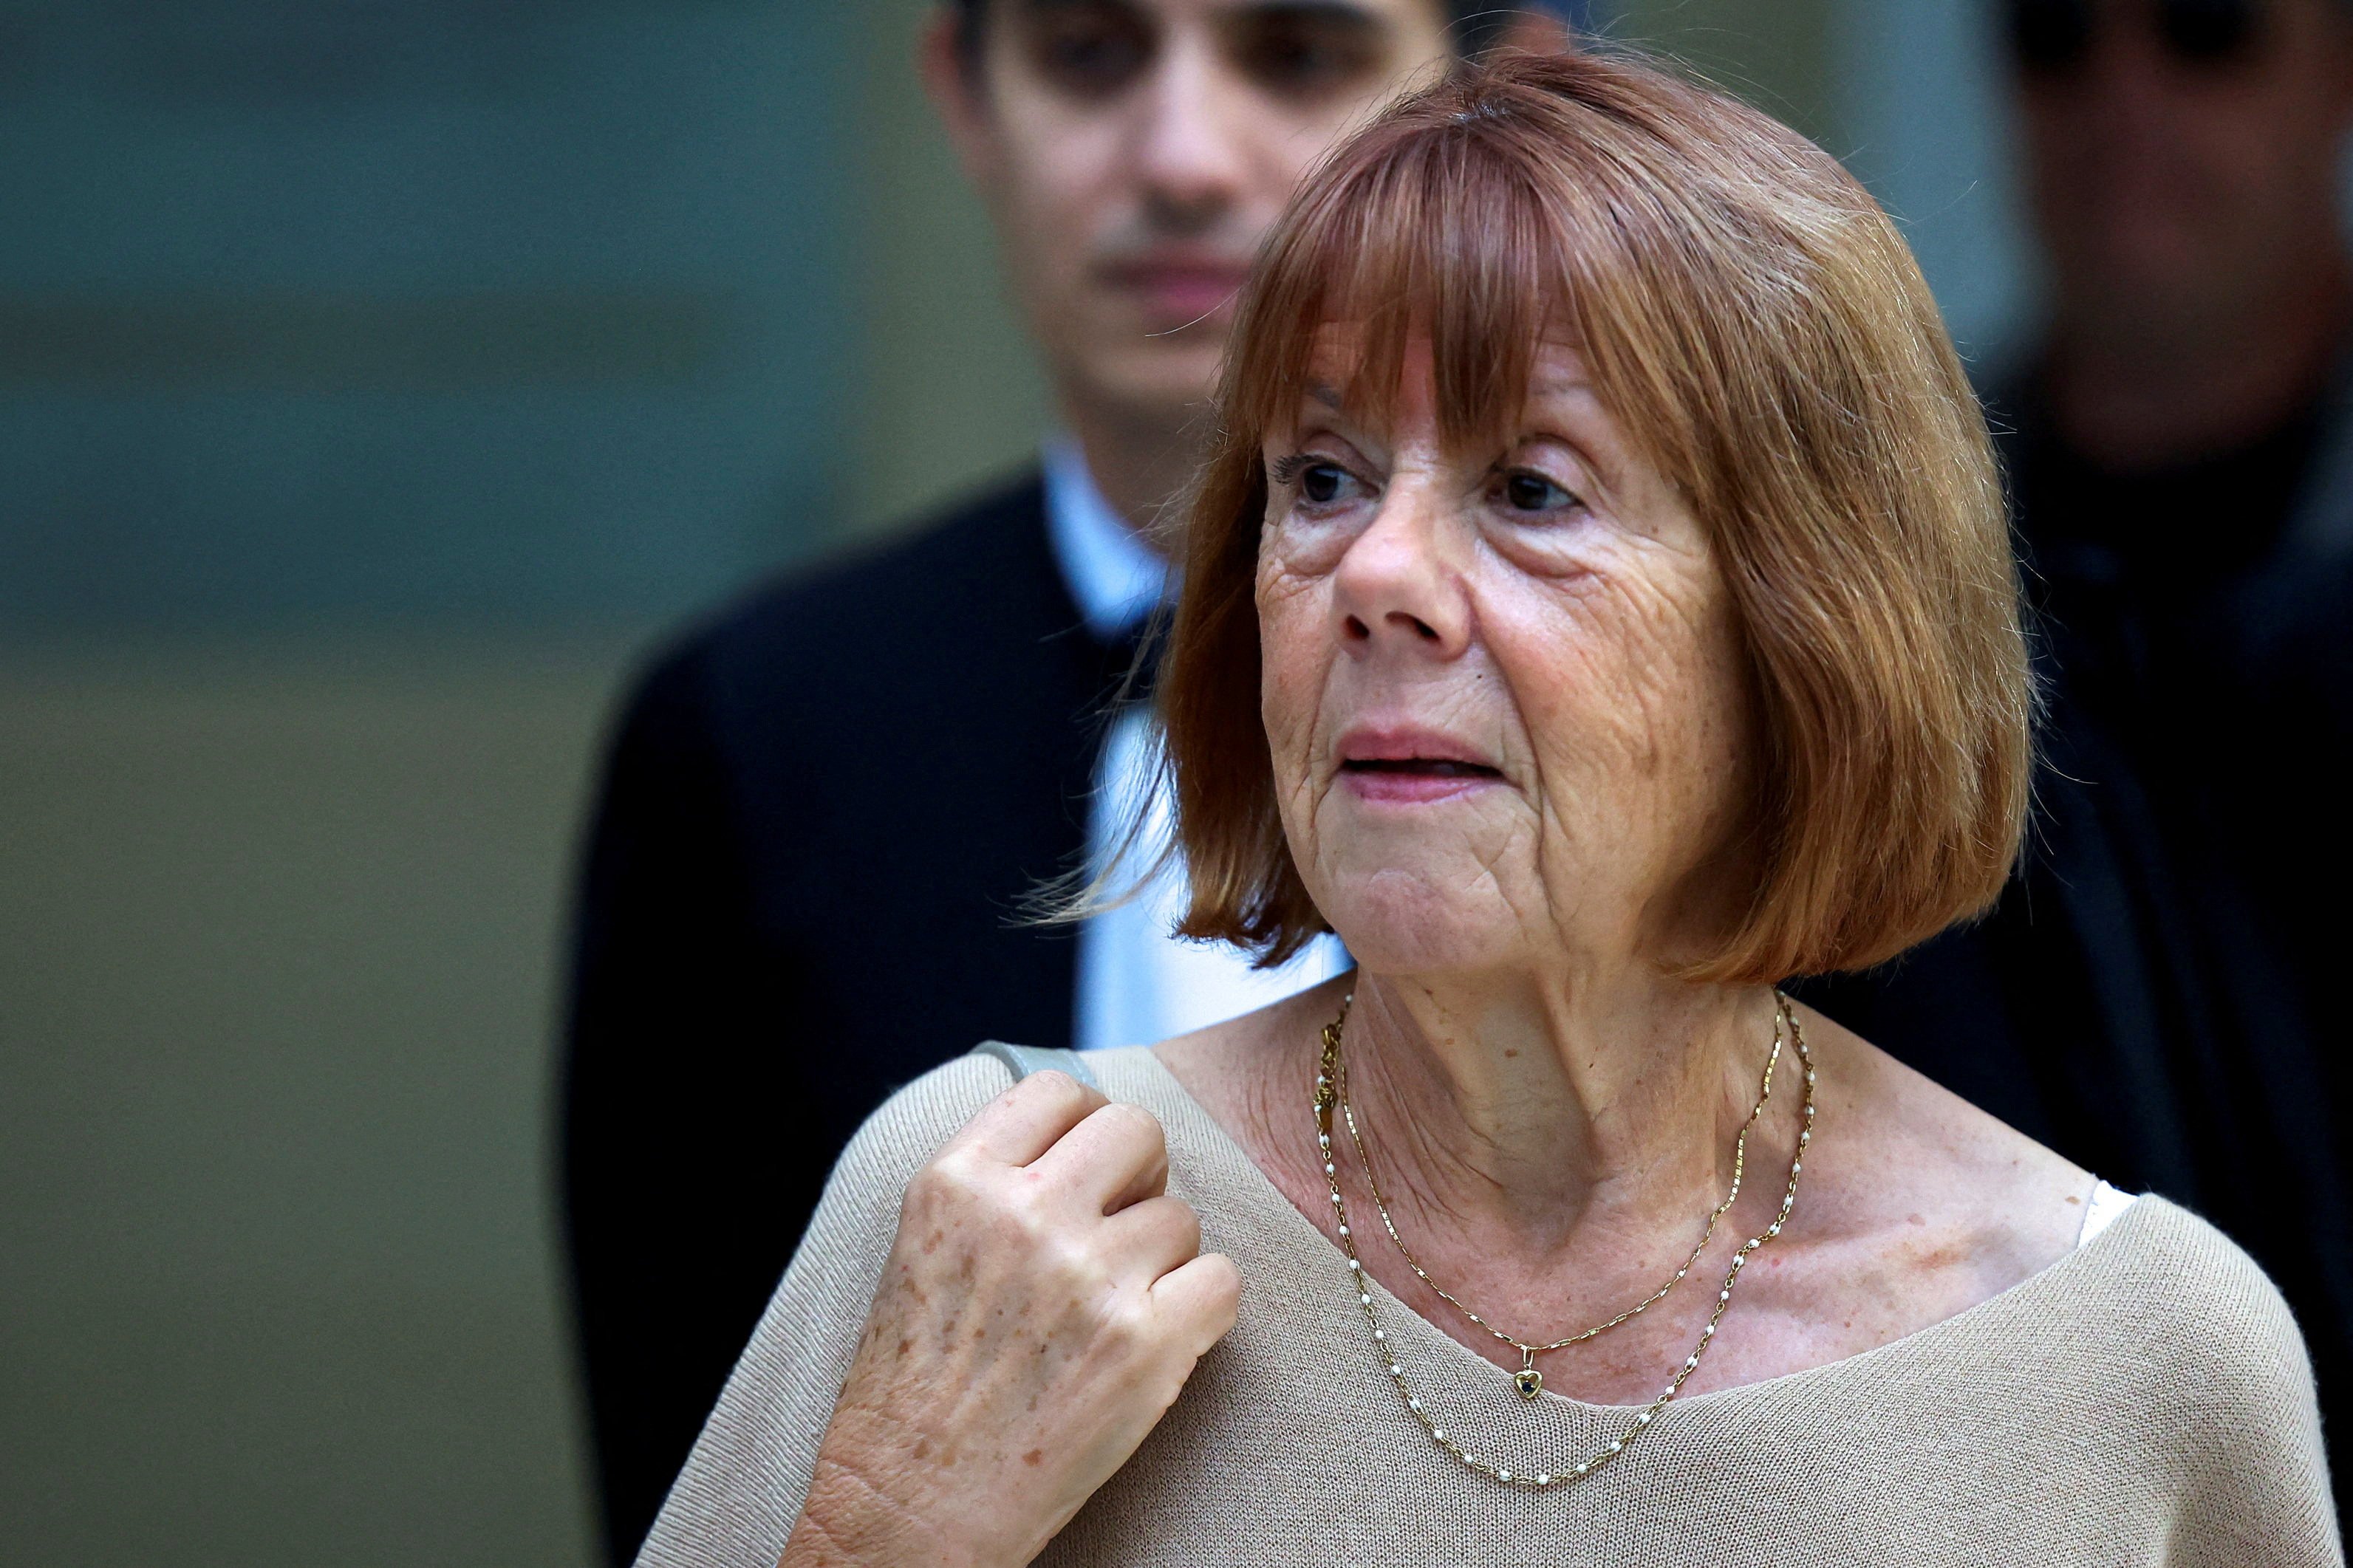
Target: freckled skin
1582	644
1549	603
1048	1216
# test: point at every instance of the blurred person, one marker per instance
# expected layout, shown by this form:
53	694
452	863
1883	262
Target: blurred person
2179	448
1598	605
824	812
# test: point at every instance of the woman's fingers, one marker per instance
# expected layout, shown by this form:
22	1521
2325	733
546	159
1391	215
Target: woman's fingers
1009	1323
1156	1235
1116	1156
1027	1120
1198	1299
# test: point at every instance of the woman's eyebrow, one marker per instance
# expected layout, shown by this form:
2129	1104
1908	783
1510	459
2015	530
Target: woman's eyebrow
1329	396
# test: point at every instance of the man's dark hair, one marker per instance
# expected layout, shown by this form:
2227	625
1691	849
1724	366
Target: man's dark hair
1473	25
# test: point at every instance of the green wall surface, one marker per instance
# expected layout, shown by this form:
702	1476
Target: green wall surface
277	944
1774	53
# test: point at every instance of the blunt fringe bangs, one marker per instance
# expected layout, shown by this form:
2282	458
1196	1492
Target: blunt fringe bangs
1754	320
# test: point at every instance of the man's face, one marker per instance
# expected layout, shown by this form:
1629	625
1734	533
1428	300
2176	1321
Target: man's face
1134	152
2180	151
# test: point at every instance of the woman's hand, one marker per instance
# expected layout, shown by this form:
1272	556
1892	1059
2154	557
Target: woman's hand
1040	1310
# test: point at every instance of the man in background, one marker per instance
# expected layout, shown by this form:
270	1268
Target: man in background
825	812
2158	996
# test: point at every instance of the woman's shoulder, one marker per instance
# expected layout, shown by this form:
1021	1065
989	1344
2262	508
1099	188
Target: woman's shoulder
861	1208
2017	1209
2203	1379
1956	1204
908	1127
2188	1305
1932	1179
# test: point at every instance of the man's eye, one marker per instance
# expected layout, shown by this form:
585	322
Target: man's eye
1090	54
1534	492
1302	59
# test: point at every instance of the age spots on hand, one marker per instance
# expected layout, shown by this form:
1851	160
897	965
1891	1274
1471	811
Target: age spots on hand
1034	1457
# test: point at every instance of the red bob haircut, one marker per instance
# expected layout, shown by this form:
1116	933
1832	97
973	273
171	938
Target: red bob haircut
1754	320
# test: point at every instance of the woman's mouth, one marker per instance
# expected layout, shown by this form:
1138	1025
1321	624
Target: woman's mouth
1413	780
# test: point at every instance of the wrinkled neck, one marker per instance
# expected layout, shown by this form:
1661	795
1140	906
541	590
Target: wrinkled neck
1549	1108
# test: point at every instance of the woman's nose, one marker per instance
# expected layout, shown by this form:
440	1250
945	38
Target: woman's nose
1398	588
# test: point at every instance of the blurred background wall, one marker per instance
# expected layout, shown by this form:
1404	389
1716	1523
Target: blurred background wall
377	379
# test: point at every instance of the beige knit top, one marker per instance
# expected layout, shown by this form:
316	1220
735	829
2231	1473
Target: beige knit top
2143	1400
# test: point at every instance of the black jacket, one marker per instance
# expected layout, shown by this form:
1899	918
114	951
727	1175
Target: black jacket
819	820
2157	995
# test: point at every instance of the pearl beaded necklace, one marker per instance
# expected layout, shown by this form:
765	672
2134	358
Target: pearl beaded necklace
1330	1088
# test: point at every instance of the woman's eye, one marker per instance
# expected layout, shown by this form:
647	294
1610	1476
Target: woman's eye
1322	482
1525	491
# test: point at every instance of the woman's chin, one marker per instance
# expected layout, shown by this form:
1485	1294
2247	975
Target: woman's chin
1410	922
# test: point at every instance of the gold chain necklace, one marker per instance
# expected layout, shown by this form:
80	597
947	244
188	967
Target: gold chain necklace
1330	1085
1528	1380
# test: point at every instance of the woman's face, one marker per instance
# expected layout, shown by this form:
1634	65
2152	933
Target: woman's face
1502	686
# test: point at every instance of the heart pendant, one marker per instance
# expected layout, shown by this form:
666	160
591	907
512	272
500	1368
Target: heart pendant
1529	1382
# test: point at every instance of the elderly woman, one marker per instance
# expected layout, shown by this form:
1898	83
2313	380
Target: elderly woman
1597	609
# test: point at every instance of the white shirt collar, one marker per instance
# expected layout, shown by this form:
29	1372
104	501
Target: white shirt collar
1114	577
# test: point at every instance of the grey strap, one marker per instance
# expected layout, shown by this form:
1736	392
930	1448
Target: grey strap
1027	1059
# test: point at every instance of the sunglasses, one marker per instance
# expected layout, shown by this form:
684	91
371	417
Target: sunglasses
2055	37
